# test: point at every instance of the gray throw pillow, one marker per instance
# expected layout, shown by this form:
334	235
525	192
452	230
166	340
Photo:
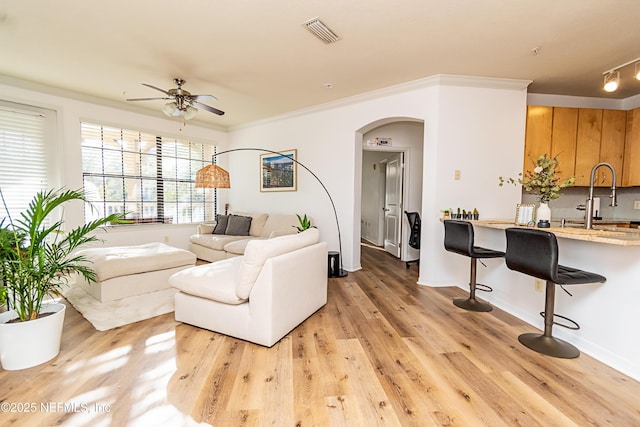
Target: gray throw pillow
221	224
238	225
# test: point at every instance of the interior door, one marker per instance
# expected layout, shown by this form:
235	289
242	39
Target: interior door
393	205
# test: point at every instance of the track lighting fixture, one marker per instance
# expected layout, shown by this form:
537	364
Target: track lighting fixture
611	81
612	76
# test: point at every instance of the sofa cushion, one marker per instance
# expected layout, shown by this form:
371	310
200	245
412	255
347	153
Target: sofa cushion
221	224
237	247
257	222
116	261
238	225
214	241
215	281
279	224
258	251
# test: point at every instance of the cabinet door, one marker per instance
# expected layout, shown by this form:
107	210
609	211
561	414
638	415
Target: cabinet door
563	140
587	144
631	174
538	134
612	146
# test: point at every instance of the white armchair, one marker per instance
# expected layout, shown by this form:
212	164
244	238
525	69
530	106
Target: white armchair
261	296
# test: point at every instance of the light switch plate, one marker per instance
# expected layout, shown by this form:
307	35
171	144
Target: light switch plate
636	204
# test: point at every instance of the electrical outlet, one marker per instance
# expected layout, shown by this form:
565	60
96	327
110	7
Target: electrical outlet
538	285
166	239
636	204
456	174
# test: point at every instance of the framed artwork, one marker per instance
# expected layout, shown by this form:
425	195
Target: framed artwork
279	172
525	214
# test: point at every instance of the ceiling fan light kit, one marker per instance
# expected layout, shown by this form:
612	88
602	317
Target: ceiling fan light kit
183	103
612	76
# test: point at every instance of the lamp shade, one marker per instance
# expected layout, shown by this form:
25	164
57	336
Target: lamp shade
190	112
170	109
212	176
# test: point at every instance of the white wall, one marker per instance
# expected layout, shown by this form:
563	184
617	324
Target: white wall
328	143
480	133
67	156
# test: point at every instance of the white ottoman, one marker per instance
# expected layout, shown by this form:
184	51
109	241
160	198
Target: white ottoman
124	271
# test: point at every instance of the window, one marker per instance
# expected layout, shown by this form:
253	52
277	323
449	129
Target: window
149	177
24	140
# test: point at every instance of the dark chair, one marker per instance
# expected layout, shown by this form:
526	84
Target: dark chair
458	238
414	235
535	253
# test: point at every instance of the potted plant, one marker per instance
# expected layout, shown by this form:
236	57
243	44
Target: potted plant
305	223
543	182
37	260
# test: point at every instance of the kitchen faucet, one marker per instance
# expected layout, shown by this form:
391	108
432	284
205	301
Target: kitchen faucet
588	223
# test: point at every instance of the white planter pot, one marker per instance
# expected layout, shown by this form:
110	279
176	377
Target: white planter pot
27	344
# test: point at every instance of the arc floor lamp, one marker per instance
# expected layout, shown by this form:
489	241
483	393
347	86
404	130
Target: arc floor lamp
213	176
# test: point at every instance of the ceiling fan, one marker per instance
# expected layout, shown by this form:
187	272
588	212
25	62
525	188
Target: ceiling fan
183	103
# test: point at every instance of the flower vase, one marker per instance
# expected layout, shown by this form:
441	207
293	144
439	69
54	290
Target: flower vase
543	215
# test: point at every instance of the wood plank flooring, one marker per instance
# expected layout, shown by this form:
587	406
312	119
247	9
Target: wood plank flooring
382	352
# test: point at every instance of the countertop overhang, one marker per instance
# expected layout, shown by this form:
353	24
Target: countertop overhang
610	235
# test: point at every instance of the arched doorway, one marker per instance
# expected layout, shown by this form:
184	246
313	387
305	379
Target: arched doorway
380	142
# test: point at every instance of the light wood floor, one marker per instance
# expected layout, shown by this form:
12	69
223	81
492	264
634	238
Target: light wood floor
383	352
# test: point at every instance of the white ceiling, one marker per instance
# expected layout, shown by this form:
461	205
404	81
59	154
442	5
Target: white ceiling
258	59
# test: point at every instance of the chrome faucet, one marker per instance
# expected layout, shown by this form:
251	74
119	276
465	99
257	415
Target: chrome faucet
588	221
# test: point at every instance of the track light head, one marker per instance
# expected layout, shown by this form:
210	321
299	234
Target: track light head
637	71
611	81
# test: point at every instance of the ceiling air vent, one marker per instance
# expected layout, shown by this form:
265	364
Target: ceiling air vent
321	31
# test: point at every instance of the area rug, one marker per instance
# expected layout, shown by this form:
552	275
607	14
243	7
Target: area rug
111	314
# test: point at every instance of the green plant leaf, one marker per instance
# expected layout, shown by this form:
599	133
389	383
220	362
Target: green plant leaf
38	254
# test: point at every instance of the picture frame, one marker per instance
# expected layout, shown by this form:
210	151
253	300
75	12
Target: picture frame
279	172
525	214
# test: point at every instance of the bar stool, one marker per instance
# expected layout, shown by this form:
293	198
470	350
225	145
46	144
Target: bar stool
458	238
535	253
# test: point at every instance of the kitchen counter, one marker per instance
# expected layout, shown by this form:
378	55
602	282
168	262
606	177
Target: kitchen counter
610	235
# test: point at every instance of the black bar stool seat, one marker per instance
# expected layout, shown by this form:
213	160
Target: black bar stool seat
459	239
535	253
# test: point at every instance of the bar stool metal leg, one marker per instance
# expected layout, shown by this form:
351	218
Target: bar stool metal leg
472	303
546	343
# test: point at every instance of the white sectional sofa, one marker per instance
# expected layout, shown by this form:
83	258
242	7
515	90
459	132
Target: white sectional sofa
210	246
261	296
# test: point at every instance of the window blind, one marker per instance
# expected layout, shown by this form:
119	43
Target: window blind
149	177
23	159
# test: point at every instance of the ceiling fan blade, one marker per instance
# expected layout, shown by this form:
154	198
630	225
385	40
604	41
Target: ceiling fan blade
203	98
157	88
145	99
206	107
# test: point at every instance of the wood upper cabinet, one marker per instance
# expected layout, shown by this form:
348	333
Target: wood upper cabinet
612	146
587	143
580	138
631	176
538	134
563	140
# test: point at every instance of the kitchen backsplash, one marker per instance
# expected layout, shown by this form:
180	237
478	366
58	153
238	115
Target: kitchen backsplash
565	206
